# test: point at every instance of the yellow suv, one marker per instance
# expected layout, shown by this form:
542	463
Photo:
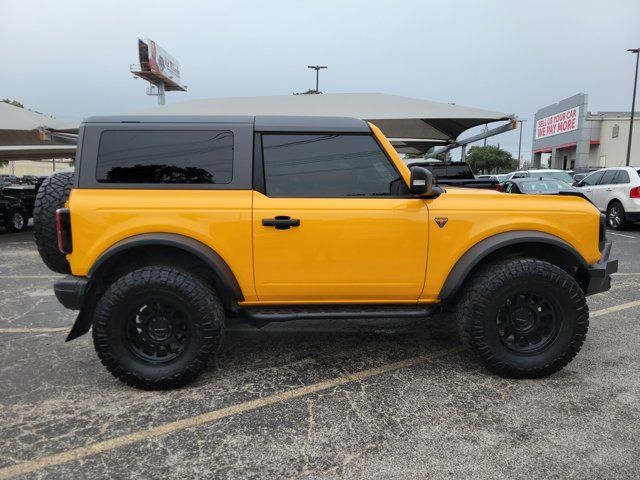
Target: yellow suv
171	224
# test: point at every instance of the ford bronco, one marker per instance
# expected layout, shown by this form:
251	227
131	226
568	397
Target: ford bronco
172	224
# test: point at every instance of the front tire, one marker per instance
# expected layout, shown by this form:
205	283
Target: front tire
616	216
158	327
523	318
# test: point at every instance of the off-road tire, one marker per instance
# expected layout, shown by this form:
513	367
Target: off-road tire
486	293
52	195
620	213
11	225
206	327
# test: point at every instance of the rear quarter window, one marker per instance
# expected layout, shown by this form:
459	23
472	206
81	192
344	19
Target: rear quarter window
165	157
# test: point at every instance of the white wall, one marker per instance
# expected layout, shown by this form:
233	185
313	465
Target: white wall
31	167
615	149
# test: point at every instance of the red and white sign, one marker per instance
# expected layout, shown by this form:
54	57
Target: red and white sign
155	59
561	122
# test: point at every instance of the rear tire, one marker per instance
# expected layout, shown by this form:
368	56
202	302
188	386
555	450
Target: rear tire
616	216
16	221
524	318
52	195
158	327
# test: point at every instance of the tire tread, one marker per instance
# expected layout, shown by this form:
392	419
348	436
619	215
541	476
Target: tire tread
473	305
210	324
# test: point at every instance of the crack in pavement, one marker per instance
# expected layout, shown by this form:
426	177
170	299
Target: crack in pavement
205	418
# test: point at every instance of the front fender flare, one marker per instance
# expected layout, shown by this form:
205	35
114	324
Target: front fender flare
472	257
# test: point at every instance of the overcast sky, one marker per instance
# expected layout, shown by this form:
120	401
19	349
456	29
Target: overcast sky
71	58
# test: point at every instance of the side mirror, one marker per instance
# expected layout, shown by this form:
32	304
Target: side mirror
421	182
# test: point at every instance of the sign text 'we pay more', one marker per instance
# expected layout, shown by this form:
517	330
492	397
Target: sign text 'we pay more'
561	122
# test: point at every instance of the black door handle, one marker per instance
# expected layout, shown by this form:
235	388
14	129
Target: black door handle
281	222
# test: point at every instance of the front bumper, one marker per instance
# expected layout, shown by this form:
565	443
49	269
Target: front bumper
70	291
600	273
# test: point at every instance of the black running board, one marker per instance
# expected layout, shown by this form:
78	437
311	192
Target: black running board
283	314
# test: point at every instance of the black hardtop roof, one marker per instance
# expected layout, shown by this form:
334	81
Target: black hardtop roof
261	123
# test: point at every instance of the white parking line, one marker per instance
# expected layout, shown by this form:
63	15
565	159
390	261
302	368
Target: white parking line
616	308
28	277
35	330
621	235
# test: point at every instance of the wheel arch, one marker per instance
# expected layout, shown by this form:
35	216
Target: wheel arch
172	249
540	245
616	200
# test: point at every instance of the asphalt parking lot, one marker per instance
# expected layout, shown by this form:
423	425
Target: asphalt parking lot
343	399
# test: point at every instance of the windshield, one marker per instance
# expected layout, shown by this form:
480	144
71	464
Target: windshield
451	171
545	187
564	176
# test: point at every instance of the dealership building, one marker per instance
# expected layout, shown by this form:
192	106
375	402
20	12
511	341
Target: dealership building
572	138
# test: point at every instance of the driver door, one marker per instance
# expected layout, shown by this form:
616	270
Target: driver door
335	223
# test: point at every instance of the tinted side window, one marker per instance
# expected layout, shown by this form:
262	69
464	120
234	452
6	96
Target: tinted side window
621	177
593	178
327	165
165	156
607	178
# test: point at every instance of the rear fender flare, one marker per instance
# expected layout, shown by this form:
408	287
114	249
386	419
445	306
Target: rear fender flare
190	245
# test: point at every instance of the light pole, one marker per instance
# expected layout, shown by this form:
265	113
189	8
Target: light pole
317	69
520	141
633	102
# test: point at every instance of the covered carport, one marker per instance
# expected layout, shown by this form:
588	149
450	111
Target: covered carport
413	125
21	139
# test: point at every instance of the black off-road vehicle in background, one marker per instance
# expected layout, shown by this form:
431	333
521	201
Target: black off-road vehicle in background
16	206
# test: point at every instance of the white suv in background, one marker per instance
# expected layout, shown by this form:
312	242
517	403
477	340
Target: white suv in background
616	191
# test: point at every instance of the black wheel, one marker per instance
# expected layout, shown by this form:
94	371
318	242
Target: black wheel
16	220
616	216
52	195
524	318
158	327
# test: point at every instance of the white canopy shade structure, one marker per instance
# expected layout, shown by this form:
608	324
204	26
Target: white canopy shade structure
20	140
412	124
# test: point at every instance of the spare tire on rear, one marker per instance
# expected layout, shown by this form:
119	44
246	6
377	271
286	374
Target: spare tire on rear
52	195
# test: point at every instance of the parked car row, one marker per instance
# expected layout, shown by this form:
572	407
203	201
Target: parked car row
17	201
8	179
615	191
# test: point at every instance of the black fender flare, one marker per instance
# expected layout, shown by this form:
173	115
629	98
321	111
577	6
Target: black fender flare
472	257
205	253
228	281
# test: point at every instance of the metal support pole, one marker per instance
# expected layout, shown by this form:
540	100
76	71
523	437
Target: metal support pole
161	93
463	155
317	68
633	102
520	140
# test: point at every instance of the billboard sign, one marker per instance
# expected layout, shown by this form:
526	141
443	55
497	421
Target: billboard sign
155	59
557	123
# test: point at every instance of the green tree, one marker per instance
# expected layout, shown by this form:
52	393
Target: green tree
15	103
490	159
